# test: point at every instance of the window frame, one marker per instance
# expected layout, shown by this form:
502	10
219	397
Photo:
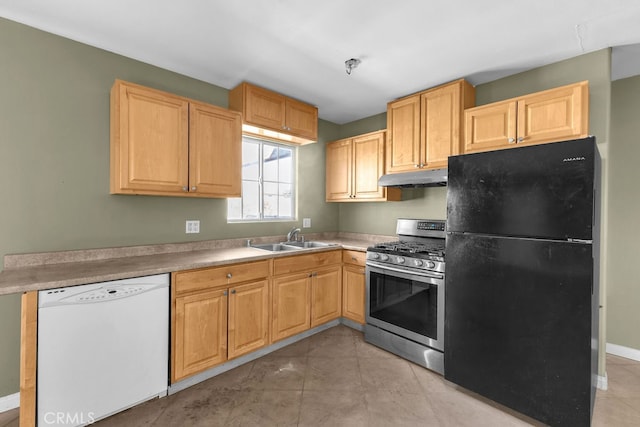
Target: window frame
294	182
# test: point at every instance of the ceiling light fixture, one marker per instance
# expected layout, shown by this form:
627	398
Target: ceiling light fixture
350	64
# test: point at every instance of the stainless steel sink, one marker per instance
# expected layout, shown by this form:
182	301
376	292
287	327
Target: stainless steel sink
275	247
309	244
291	246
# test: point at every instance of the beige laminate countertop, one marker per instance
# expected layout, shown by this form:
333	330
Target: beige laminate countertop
60	274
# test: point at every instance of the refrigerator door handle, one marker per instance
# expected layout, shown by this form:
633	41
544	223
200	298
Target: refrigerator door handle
587	242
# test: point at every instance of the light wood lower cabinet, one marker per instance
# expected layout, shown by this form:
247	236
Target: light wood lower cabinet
200	332
217	314
291	305
353	286
326	295
307	291
248	327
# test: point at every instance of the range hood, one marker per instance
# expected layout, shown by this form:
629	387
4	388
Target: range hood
420	178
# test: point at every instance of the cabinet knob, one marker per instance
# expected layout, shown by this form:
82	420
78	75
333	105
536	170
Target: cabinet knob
185	188
353	258
520	138
417	166
511	140
233	291
225	293
229	275
193	188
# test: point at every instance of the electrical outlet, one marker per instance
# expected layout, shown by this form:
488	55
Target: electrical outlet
192	226
306	223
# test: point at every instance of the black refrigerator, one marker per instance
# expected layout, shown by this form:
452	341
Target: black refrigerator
521	286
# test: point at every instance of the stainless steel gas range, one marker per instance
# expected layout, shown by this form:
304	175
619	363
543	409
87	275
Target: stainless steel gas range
405	293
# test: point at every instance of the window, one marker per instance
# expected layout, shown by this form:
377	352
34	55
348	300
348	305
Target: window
268	187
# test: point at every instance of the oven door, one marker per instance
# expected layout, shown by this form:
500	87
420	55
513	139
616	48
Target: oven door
406	303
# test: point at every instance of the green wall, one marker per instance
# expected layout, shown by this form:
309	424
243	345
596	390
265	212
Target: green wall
623	290
54	164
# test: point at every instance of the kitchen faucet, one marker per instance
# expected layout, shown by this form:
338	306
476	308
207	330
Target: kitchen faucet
293	233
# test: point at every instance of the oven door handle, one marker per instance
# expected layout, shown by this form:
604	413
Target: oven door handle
386	267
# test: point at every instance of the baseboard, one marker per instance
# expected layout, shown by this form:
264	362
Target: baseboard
626	352
603	382
9	402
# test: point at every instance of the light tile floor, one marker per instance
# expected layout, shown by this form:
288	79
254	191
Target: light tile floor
336	379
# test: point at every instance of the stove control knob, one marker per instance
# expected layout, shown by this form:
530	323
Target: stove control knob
431	264
400	260
374	255
384	257
418	262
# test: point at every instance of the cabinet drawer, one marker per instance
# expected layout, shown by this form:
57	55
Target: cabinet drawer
307	262
206	278
354	257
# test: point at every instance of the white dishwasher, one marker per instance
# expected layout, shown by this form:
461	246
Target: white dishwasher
102	348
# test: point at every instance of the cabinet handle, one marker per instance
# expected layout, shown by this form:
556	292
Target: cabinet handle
193	188
229	275
353	258
417	166
520	138
511	140
233	291
314	274
185	188
225	293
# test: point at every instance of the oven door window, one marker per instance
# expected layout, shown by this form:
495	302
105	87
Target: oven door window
407	303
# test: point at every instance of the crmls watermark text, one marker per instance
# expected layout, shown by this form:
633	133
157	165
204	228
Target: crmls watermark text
75	418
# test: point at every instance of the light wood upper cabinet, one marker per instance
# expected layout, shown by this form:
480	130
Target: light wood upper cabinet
353	167
424	129
162	144
215	155
274	116
552	115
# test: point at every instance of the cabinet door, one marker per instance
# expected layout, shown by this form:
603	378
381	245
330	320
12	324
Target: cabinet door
339	163
353	293
440	132
403	135
326	295
264	108
248	318
368	166
554	115
490	127
301	119
149	140
291	308
200	333
215	151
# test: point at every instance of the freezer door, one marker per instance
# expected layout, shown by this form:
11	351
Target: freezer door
543	191
518	324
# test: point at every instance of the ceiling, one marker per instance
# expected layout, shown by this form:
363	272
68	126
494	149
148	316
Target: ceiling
299	48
